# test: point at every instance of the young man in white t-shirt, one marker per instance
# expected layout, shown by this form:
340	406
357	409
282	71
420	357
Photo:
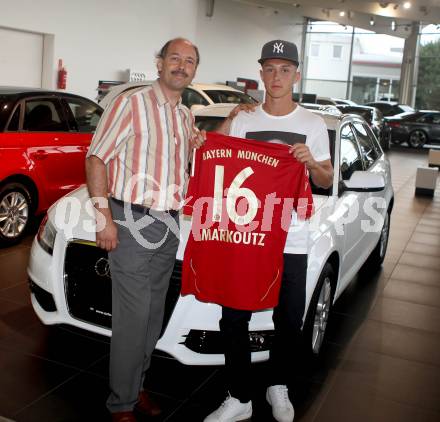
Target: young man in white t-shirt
278	119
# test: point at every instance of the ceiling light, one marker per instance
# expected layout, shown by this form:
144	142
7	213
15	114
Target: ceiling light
372	21
393	25
342	13
407	5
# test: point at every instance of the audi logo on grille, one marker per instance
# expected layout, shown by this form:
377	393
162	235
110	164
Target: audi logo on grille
102	268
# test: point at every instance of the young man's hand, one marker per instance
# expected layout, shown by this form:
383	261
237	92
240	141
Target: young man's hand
198	139
302	153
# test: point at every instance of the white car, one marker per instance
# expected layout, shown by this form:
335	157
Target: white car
334	101
70	281
195	96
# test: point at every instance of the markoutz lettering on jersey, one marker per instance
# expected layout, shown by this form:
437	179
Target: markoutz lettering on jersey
240	154
231	236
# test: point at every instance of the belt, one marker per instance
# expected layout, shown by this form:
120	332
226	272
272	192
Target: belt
144	210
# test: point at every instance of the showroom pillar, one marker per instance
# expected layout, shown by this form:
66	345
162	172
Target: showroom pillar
410	66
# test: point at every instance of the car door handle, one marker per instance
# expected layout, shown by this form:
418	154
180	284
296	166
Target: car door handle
40	154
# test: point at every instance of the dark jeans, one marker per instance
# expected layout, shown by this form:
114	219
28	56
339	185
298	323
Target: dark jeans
286	348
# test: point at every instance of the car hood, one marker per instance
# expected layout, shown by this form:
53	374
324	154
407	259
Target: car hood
73	217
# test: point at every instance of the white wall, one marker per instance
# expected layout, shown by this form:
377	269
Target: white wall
18	68
100	39
230	42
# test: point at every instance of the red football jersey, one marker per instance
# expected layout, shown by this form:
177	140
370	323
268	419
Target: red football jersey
241	195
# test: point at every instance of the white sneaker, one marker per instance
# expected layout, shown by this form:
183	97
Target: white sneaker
231	410
278	397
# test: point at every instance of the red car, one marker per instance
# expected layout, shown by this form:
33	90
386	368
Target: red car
44	137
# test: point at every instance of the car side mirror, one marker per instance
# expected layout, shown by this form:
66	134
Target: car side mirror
364	181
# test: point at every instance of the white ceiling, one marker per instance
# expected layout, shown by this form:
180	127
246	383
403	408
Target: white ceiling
359	12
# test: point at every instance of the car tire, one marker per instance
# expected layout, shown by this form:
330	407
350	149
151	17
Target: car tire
318	313
377	255
15	213
417	138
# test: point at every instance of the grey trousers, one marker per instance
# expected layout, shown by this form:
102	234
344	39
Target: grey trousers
140	279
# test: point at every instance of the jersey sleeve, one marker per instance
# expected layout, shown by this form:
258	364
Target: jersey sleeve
192	189
303	198
319	142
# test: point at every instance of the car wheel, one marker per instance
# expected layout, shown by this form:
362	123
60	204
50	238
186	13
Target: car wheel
315	325
417	139
15	210
377	256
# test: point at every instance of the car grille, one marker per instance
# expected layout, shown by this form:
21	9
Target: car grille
88	285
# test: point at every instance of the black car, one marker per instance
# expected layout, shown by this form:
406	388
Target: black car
417	128
373	117
390	108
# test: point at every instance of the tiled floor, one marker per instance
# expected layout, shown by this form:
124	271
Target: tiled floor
381	360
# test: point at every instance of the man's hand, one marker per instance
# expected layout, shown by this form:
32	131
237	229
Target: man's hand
198	139
248	108
302	153
107	238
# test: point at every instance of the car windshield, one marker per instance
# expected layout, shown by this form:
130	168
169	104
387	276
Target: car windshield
232	97
5	111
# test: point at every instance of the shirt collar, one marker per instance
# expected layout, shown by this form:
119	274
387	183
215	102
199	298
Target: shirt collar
160	95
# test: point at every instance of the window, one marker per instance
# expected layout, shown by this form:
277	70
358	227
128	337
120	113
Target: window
208	123
436	118
43	115
15	121
230	97
425	118
191	97
369	149
314	50
351	160
326	191
337	51
86	114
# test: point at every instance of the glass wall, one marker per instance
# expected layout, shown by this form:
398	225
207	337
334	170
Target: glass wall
353	63
327	54
428	82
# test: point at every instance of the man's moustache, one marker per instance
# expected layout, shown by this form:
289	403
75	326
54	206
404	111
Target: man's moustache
179	73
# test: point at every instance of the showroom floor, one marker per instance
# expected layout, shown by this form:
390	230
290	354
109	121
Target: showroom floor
381	361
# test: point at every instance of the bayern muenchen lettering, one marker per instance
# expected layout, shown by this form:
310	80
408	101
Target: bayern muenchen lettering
242	154
217	153
255	156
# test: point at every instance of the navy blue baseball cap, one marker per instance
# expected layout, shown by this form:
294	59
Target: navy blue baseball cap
279	49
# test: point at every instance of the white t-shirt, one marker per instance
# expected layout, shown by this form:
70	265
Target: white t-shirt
299	126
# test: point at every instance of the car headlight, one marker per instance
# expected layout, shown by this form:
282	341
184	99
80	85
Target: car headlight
46	235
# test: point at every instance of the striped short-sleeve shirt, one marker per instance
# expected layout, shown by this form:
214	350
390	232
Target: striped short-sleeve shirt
145	144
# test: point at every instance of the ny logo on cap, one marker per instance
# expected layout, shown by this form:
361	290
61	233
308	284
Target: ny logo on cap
278	48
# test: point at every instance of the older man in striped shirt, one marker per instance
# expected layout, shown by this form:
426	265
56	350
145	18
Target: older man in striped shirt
136	172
